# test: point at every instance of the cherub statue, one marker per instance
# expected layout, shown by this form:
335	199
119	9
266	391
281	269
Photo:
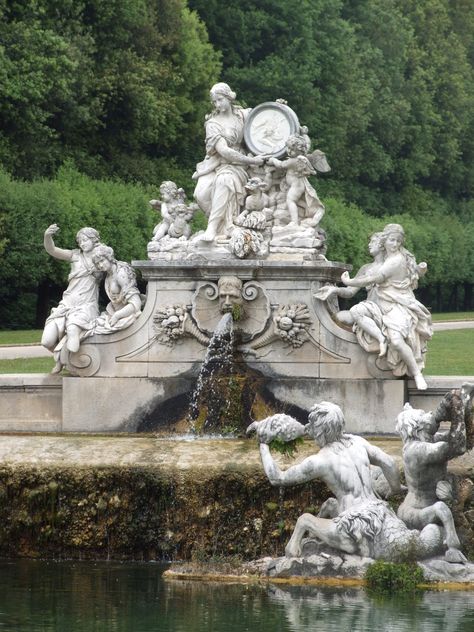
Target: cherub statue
121	287
180	216
300	193
171	196
426	453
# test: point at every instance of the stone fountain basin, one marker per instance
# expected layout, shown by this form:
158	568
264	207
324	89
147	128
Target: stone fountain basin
138	497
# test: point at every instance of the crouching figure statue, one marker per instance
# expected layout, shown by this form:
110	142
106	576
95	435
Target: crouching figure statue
355	521
426	452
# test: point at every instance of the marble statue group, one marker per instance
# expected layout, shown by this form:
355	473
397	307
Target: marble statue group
356	520
77	316
262	260
253	187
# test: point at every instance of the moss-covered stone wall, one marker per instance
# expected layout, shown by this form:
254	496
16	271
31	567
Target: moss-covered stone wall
141	498
142	513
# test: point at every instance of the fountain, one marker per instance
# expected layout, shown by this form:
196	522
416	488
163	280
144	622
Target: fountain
239	321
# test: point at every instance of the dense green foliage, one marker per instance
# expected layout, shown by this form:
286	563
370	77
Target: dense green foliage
385	86
120	86
118	90
387	577
29	277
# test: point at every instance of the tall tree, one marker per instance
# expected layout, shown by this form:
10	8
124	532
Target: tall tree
113	84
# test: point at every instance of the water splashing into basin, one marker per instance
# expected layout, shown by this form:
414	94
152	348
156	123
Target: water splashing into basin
211	399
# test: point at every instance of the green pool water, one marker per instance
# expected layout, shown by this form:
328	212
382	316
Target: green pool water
113	597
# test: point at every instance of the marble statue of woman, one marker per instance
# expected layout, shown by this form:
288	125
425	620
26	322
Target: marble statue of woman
222	175
407	322
79	306
365	317
121	288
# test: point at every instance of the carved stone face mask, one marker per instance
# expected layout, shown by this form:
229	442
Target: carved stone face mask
230	294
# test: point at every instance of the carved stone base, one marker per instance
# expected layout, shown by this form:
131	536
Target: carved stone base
319	560
280	329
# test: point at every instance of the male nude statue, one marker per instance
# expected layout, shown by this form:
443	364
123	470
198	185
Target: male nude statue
426	453
360	523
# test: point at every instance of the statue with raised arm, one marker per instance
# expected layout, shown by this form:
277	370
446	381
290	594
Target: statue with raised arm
222	175
79	306
406	321
357	521
426	453
365	317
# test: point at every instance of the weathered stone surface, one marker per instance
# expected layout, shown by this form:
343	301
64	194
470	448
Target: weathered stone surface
342	565
438	570
30	403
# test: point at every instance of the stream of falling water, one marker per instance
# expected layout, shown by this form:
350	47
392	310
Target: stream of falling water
218	362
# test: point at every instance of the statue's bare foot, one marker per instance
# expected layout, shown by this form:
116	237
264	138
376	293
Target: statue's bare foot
58	367
383	348
420	382
207	237
454	556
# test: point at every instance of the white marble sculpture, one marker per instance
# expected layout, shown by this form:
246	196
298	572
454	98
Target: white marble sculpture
121	288
247	302
171	195
426	452
79	307
247	237
291	205
301	197
365	318
355	521
174	230
221	176
400	325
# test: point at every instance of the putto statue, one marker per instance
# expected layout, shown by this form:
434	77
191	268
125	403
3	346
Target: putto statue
174	228
171	196
297	168
121	287
391	315
356	520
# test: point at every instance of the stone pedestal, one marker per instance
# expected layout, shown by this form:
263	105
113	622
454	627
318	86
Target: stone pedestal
282	332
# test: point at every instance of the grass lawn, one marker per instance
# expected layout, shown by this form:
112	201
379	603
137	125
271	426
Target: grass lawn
20	336
27	365
451	353
453	316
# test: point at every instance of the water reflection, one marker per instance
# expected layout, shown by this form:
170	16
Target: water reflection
310	608
112	597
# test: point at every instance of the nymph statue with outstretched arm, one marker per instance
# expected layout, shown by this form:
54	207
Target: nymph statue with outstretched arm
79	306
406	321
